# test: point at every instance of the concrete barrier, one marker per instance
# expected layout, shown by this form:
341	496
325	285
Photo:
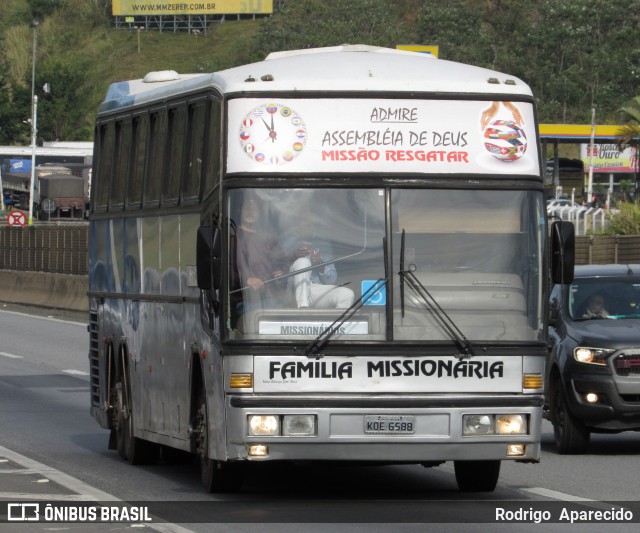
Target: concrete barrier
45	289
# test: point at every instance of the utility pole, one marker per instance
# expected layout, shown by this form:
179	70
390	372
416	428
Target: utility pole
591	149
34	121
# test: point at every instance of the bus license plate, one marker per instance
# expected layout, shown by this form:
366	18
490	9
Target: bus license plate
389	424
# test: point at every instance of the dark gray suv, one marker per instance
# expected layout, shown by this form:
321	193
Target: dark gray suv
593	368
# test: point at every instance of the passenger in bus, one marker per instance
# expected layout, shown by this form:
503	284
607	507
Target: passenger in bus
315	285
259	259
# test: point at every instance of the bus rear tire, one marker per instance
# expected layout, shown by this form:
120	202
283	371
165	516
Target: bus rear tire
132	449
216	476
477	476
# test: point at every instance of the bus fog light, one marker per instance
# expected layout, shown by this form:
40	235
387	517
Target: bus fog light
516	450
264	425
511	425
477	425
258	450
299	425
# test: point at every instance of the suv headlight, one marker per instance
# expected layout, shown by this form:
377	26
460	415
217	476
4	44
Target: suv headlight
594	356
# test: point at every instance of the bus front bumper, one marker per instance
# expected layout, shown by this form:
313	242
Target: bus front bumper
395	430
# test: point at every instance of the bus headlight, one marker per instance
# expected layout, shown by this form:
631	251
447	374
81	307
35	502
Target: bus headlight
299	425
490	424
511	425
477	425
264	425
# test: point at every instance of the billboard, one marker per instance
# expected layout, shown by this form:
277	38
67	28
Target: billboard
19	166
430	49
193	7
608	158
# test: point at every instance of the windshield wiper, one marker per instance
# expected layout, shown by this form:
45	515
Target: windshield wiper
321	340
439	313
401	276
432	305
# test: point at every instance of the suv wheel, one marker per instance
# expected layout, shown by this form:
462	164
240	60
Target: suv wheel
571	435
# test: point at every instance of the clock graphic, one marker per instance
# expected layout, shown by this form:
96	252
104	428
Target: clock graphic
273	134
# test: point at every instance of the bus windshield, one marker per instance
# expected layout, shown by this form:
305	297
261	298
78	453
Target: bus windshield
300	258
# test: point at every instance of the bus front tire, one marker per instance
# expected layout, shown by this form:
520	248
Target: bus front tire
216	476
477	476
220	476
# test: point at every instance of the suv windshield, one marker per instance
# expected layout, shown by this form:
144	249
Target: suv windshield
604	297
299	258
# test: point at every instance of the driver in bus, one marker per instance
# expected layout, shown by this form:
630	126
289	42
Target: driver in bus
259	259
315	285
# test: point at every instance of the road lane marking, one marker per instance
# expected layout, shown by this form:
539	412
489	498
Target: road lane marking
555	495
10	355
24	471
59	477
76	372
45	497
49	318
85	492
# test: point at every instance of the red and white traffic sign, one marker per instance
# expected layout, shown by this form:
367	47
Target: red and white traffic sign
16	218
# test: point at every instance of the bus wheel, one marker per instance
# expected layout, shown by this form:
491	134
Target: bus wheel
217	476
130	448
477	476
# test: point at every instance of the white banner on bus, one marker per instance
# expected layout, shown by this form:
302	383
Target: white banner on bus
388	374
297	327
372	135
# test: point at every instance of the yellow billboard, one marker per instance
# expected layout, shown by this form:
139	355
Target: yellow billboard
191	7
432	49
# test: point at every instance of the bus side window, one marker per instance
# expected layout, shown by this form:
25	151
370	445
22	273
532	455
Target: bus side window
195	144
140	126
177	117
157	151
122	164
212	156
104	175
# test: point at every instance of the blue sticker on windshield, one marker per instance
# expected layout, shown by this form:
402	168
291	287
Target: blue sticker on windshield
376	296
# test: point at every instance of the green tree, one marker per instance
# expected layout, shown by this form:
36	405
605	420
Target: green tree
630	115
63	114
14	12
14	111
626	221
317	23
43	8
630	133
574	55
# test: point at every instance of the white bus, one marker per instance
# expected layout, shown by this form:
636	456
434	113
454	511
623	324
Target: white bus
332	254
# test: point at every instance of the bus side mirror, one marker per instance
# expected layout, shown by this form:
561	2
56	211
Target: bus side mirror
208	258
563	252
